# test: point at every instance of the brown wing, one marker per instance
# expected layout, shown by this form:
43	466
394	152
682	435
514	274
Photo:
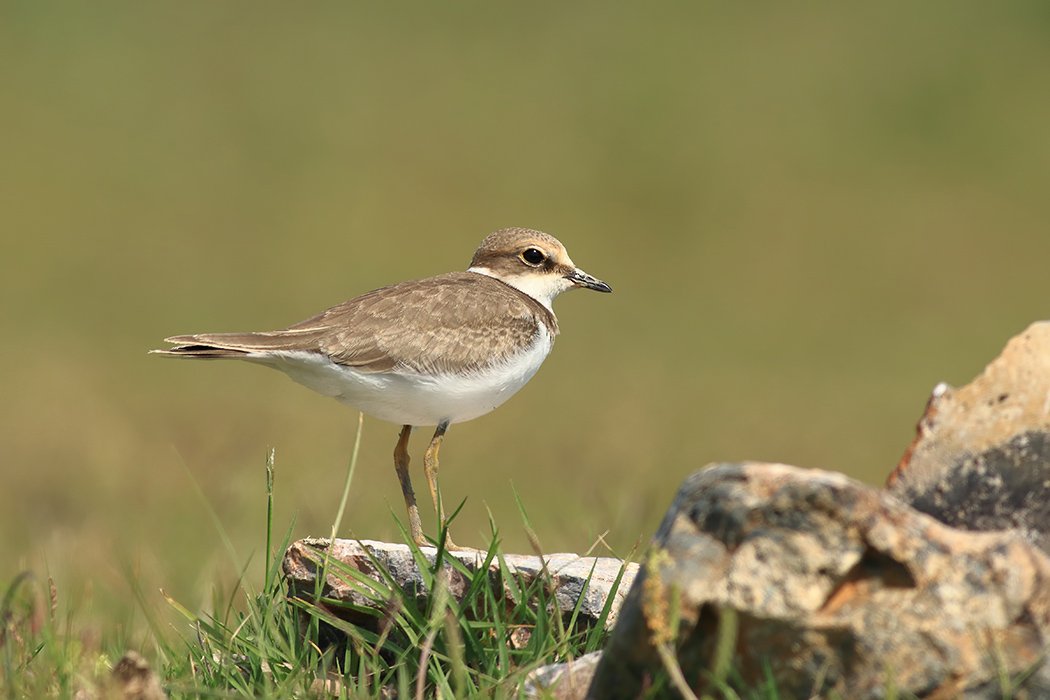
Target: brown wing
454	322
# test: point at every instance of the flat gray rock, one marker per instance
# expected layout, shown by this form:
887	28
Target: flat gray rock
567	681
572	577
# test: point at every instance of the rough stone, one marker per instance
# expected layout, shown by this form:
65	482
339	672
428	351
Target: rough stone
981	456
566	681
571	576
836	587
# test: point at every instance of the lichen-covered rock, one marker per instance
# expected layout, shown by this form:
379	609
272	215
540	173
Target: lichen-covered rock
835	586
981	458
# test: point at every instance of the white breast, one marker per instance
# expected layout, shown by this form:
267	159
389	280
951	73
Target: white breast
413	398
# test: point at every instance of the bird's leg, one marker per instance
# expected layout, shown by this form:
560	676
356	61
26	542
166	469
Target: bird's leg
430	467
401	464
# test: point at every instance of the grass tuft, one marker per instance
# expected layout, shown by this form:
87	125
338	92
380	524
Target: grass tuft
263	643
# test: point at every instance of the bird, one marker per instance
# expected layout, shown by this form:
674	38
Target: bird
433	351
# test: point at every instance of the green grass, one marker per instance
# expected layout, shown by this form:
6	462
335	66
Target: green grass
263	643
278	647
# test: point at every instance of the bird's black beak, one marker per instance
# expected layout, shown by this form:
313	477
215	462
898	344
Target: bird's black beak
581	279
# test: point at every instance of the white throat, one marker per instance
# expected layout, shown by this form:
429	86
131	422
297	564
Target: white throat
543	288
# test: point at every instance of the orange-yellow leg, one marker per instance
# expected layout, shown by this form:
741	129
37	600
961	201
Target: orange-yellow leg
401	460
430	467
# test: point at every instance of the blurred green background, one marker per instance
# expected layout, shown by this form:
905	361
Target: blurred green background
810	214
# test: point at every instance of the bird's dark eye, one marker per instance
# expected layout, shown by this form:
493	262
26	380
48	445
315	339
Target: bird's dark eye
533	256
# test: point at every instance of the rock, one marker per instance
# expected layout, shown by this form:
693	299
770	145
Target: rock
981	457
569	575
836	587
567	681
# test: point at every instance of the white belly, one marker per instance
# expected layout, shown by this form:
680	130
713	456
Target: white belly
412	398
